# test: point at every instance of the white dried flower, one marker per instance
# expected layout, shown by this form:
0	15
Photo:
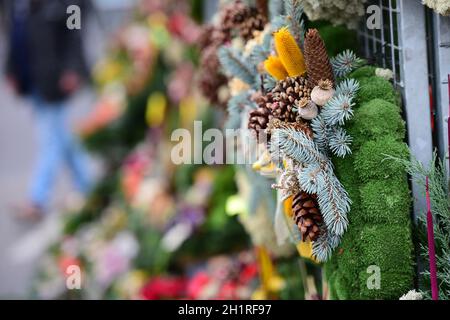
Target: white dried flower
386	74
412	295
338	12
440	6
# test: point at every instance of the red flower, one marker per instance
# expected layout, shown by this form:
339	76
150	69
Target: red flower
164	288
249	272
197	284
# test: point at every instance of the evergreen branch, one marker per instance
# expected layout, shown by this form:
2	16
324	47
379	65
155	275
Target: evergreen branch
338	110
345	62
278	23
348	87
324	245
334	204
236	65
235	107
294	11
276	8
332	198
310	179
340	142
440	204
297	146
261	51
321	131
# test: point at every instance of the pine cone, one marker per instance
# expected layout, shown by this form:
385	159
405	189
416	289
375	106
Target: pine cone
286	97
260	117
210	78
255	21
306	215
316	57
212	36
243	19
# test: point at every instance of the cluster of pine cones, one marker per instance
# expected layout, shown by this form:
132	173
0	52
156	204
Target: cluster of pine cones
237	19
279	104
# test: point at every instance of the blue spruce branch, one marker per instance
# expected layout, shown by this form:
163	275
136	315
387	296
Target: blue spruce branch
276	8
340	142
348	87
236	65
294	11
345	62
324	245
332	198
338	110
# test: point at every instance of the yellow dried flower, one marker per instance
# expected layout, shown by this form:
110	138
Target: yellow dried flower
289	53
275	68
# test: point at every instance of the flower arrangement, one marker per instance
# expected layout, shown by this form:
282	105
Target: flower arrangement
299	99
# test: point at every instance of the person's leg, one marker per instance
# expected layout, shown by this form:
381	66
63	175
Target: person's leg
74	155
50	152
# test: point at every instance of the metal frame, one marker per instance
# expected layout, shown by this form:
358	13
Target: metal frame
401	45
441	37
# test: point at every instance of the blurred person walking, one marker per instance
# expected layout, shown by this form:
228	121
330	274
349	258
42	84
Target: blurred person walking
46	64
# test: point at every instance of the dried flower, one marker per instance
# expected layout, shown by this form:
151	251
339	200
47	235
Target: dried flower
289	53
275	68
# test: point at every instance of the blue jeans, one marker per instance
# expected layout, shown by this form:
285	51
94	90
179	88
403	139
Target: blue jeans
57	146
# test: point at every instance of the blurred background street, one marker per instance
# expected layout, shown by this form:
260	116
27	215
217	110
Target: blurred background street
22	244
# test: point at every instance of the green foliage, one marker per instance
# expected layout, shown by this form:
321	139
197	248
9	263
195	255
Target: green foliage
288	270
114	141
370	164
387	246
338	39
98	199
376	87
379	231
346	287
392	286
363	72
387	203
376	119
440	205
